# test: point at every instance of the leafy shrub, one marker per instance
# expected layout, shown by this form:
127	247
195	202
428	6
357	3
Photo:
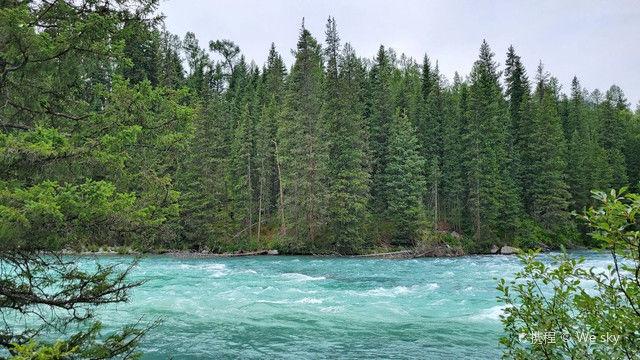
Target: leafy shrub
93	248
122	250
564	311
532	236
36	351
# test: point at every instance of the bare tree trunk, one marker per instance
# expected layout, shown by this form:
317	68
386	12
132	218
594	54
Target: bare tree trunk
250	215
311	203
283	227
435	198
260	198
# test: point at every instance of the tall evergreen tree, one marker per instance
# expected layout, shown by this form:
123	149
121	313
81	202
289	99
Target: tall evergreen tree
549	193
612	135
517	91
493	203
347	174
300	138
170	68
270	99
584	168
432	146
452	189
404	181
380	112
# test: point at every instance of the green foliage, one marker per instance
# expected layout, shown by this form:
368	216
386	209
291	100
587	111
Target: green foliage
533	236
49	215
493	202
302	142
218	153
109	141
380	113
76	167
573	303
404	181
35	351
348	181
547	189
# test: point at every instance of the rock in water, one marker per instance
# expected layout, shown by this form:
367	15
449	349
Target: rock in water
508	250
495	249
272	252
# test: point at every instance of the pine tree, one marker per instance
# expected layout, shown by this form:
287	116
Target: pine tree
404	181
588	169
632	151
271	99
518	92
610	116
300	139
493	203
548	194
432	147
170	69
347	175
241	174
141	49
575	120
380	112
452	189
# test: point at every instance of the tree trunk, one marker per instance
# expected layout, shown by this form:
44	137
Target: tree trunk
260	198
249	205
283	227
435	198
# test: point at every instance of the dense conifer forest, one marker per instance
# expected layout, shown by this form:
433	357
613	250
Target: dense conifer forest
115	132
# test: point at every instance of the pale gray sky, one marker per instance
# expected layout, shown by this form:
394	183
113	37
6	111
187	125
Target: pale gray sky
599	41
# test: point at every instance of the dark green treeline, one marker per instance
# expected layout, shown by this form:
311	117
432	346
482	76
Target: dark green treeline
192	147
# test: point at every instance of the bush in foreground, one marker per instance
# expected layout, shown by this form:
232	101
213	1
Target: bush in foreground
563	310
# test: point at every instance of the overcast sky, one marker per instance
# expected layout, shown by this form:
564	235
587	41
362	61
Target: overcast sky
599	41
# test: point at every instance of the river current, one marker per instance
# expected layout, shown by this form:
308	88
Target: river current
322	308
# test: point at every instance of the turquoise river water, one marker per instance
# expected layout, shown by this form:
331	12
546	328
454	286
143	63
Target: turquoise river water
314	307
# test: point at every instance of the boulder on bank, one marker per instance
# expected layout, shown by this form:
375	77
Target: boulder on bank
272	252
444	250
508	250
543	247
495	249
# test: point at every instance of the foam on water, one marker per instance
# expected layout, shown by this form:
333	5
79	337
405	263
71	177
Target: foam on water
492	313
305	307
388	292
432	286
302	277
309	301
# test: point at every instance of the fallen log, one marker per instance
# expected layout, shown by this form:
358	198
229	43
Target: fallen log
402	254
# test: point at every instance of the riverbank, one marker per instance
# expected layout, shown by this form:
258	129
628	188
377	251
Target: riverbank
439	251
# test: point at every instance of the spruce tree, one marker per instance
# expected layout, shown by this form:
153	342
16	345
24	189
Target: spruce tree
271	99
612	134
432	147
588	169
517	91
347	175
493	204
300	141
379	113
452	189
548	194
404	181
170	68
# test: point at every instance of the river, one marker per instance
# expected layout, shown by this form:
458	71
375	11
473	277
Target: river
313	307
